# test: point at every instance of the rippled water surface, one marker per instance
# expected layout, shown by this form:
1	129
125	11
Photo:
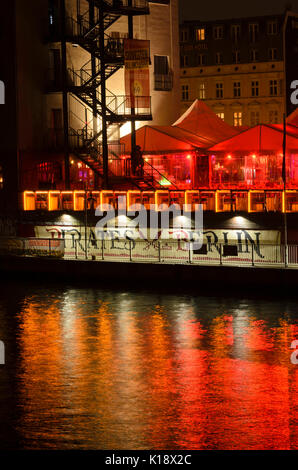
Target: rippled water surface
97	369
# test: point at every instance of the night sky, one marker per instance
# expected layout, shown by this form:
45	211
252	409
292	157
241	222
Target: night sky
221	9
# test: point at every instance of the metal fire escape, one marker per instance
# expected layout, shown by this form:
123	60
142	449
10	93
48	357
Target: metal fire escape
94	144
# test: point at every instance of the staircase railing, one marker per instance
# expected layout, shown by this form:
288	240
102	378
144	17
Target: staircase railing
158	177
115	105
150	174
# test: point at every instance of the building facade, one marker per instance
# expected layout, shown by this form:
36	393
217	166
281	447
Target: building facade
51	66
242	68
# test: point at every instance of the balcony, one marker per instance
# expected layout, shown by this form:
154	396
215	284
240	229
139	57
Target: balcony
133	7
128	108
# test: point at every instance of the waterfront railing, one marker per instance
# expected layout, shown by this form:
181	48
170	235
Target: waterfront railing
170	251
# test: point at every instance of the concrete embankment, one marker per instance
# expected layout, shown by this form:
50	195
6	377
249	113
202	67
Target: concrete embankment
214	278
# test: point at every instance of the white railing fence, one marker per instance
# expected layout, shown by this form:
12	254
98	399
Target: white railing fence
153	251
181	252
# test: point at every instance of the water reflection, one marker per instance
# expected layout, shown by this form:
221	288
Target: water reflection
95	369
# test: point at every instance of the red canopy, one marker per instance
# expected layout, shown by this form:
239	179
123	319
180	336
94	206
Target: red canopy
258	139
202	121
165	139
293	118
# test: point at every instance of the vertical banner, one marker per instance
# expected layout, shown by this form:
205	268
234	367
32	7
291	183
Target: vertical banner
137	82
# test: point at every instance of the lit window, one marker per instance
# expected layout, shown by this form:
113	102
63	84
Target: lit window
272	28
218	32
221	115
273	88
255	88
219	90
237	89
1	177
253	32
202	91
200	34
254	118
238	119
235	30
185	92
273	117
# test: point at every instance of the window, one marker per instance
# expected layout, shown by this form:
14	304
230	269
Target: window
185	92
161	64
184	35
221	115
184	61
253	32
202	91
255	88
218	58
200	34
237	89
218	32
273	117
272	28
219	90
236	57
162	77
53	13
254	55
48	173
237	118
273	88
235	30
254	118
201	59
272	54
1	177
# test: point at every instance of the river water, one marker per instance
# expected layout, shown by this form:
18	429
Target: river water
92	368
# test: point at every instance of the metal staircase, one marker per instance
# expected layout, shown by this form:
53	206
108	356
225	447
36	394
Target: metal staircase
88	150
88	83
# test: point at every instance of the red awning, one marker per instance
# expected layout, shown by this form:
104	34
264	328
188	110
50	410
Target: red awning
165	139
202	121
293	118
258	139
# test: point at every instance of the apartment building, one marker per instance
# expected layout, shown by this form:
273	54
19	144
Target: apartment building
242	67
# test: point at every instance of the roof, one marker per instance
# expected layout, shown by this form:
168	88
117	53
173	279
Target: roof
293	118
202	121
259	139
169	139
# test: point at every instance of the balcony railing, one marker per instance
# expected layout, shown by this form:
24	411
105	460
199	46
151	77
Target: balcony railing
135	4
124	105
